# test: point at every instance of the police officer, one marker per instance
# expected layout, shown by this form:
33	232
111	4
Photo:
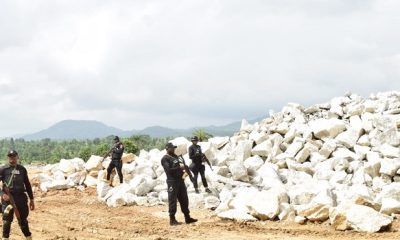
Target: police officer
176	185
15	183
116	161
197	165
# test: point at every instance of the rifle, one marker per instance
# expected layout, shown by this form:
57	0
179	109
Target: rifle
205	159
12	202
187	170
108	153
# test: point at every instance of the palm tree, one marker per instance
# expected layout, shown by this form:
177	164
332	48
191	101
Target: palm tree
202	135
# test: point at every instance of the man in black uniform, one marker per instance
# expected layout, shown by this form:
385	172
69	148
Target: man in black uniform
197	165
15	184
116	162
176	185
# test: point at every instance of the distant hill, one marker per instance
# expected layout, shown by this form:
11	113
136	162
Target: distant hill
90	129
76	129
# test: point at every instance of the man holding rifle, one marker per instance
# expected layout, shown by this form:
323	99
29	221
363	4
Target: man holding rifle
176	186
13	197
197	165
116	162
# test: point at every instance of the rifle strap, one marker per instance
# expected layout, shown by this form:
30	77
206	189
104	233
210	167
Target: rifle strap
9	183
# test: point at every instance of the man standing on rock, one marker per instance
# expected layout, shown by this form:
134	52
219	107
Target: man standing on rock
13	197
176	185
197	165
116	159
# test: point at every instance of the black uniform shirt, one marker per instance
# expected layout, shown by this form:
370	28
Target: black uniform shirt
172	167
195	154
17	179
117	152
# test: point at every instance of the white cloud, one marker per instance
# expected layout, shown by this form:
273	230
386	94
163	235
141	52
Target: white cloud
133	64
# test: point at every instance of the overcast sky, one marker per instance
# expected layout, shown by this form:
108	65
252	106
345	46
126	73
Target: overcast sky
132	64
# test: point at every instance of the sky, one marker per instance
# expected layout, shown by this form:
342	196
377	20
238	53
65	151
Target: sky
133	64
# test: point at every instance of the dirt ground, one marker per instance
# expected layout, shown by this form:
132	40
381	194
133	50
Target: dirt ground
72	214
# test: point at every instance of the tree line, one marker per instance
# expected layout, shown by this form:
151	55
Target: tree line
51	151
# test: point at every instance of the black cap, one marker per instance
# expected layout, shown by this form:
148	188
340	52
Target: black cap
170	145
12	153
116	138
195	138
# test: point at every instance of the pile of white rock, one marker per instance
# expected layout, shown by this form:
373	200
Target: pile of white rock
337	162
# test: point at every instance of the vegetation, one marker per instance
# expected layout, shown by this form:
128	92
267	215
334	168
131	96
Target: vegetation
51	151
202	135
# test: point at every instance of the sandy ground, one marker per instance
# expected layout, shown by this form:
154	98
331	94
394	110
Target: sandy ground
72	214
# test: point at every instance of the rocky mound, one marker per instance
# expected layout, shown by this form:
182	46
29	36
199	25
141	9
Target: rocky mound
337	162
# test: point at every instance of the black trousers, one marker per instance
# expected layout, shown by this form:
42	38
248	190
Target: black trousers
196	169
117	164
177	192
21	201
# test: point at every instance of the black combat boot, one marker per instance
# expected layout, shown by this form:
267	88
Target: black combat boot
189	220
196	190
172	221
208	190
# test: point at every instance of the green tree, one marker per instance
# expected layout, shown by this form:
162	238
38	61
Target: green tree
202	135
129	146
85	153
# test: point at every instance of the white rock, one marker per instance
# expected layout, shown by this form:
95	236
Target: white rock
258	137
239	172
294	148
245	126
238	215
269	175
389	166
94	163
142	184
389	151
327	128
390	206
264	205
286	212
182	145
69	166
102	189
211	202
219	142
389	191
349	137
357	217
252	164
300	219
263	149
90	181
243	150
364	140
328	147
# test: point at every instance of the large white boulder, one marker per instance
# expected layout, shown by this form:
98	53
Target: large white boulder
264	205
327	128
389	151
349	137
269	174
389	166
237	215
94	163
211	202
69	166
219	142
142	184
252	164
358	217
182	145
390	206
263	149
239	171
